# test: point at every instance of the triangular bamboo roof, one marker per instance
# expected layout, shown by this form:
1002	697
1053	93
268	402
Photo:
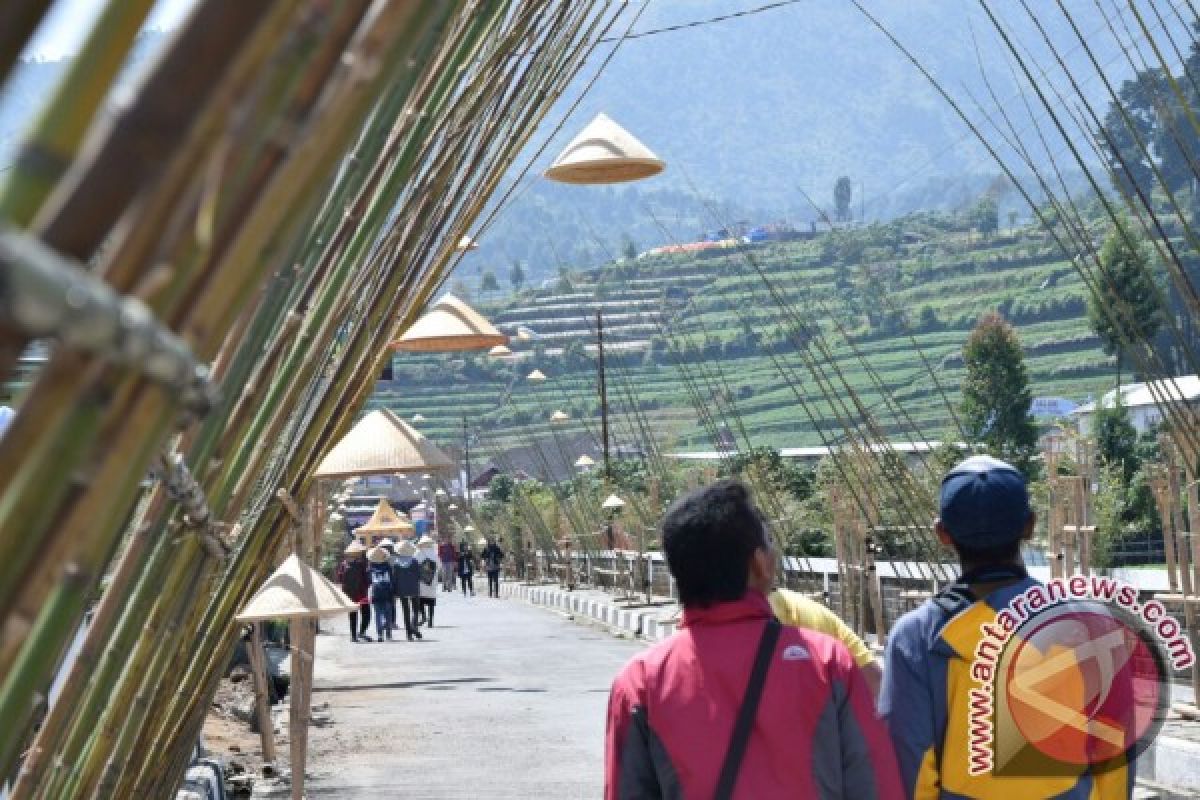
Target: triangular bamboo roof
450	324
296	590
385	520
500	350
535	376
382	444
604	152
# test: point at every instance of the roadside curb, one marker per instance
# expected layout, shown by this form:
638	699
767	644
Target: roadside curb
643	623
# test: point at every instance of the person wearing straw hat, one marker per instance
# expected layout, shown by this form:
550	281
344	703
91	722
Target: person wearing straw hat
406	577
352	575
380	572
427	557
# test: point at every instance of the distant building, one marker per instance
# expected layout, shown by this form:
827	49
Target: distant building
1141	400
1051	407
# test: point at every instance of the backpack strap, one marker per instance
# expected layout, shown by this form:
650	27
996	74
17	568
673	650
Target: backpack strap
748	711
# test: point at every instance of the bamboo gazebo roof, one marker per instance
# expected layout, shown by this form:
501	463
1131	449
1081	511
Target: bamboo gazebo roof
450	324
382	444
385	520
296	590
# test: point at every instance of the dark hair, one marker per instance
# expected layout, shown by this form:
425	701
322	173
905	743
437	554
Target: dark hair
993	554
709	536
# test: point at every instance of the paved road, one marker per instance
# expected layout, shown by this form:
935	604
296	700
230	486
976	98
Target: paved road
501	700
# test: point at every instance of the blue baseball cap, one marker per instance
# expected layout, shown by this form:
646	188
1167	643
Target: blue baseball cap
984	502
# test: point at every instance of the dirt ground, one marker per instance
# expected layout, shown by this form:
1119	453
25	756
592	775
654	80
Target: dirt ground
228	734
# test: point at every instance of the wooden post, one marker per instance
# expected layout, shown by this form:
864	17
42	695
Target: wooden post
262	693
839	550
1053	523
1160	487
303	639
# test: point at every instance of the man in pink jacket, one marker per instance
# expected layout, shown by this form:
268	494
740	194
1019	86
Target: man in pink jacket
736	705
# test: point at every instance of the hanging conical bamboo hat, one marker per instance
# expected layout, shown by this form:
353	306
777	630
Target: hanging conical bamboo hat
500	350
296	590
382	444
536	376
466	243
559	416
585	461
450	324
385	520
604	152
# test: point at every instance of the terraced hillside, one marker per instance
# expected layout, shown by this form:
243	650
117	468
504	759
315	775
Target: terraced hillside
884	310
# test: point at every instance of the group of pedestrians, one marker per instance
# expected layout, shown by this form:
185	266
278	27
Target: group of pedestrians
405	577
741	703
459	565
387	578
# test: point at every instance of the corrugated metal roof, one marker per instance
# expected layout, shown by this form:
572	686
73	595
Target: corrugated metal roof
1137	395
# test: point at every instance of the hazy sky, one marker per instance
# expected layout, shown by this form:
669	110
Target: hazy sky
69	20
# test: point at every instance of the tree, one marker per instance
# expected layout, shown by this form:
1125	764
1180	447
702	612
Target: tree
488	282
628	248
1125	311
516	276
843	193
984	216
996	395
500	489
1117	440
565	284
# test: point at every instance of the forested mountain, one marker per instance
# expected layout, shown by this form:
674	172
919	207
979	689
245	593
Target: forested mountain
758	116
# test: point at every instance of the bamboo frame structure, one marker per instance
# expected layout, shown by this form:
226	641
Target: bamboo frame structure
238	189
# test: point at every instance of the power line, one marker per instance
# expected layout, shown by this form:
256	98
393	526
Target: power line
702	22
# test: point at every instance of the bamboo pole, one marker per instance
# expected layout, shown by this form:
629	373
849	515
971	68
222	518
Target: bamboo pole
262	694
54	139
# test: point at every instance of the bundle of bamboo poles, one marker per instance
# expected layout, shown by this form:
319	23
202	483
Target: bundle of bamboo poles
284	192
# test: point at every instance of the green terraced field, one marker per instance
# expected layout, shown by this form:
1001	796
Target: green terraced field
731	336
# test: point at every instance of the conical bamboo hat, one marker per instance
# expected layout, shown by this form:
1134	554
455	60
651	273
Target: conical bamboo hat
450	325
385	520
604	152
500	350
296	590
536	376
382	444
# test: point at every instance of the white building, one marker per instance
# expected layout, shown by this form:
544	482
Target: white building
1142	401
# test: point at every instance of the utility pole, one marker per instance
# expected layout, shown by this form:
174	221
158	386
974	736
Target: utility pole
603	387
467	463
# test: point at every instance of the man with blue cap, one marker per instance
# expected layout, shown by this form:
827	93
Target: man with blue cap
984	516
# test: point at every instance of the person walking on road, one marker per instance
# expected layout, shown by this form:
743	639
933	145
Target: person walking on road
927	700
380	573
735	704
466	568
427	557
406	575
352	575
390	547
449	558
492	557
